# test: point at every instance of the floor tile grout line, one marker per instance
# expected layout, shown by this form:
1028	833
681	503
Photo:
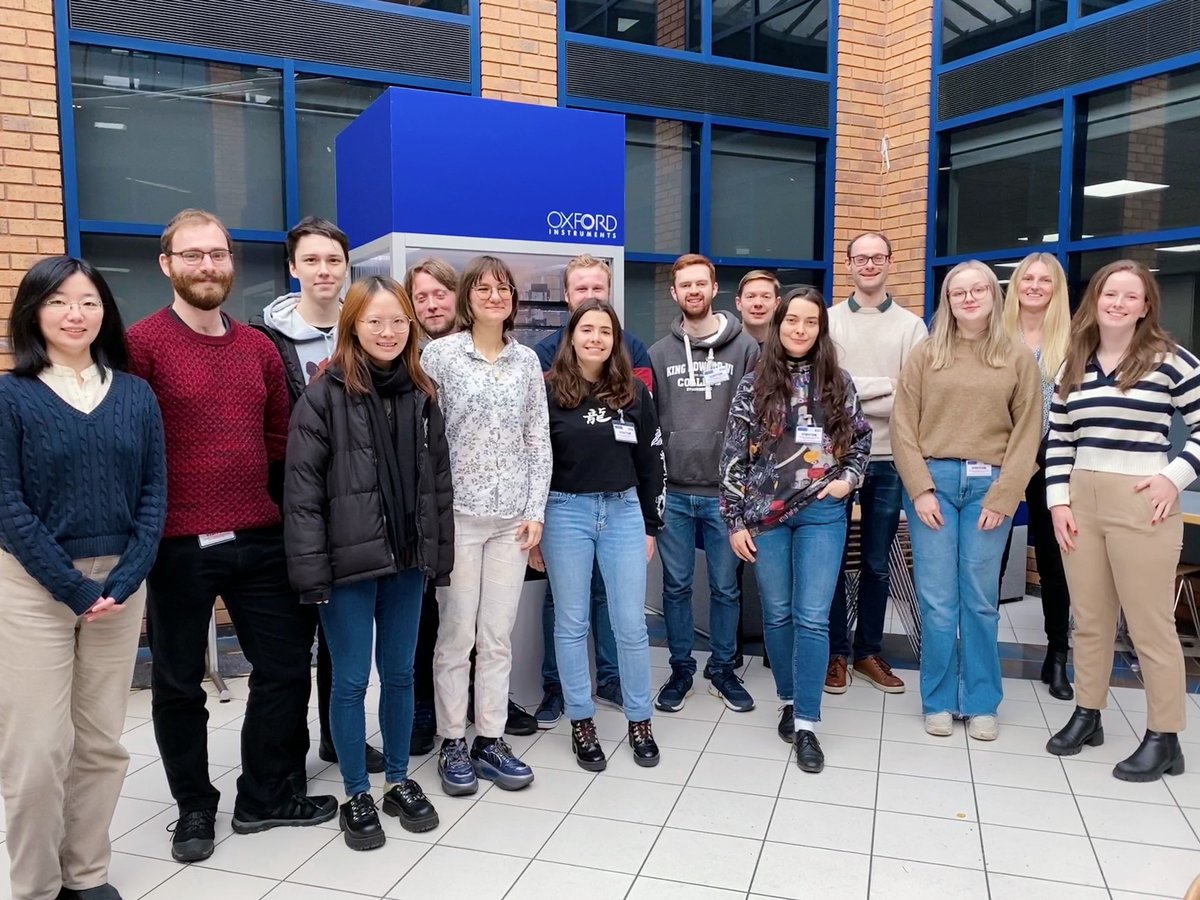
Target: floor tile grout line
987	881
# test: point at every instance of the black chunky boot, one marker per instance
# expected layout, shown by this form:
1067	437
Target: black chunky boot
586	746
641	739
360	823
1159	752
1082	728
1054	674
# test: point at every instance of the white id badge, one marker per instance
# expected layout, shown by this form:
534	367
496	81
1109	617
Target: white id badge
978	469
625	432
814	435
713	377
218	537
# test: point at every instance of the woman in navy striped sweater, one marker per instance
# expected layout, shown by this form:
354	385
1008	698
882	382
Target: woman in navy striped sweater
1114	499
82	505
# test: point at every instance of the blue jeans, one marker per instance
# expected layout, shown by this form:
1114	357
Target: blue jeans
387	612
677	550
606	529
797	570
879	498
602	637
957	580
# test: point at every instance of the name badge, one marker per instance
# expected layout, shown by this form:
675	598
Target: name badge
713	377
978	469
217	537
625	432
810	434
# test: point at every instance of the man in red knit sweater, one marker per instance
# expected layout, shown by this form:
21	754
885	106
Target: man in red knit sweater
225	407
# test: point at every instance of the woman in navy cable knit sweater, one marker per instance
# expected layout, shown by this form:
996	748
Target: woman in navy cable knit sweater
82	506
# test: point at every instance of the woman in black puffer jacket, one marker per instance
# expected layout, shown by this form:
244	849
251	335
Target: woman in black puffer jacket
368	517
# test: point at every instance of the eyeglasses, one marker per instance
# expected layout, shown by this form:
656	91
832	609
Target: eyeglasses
400	324
879	259
440	294
978	291
57	304
195	257
483	291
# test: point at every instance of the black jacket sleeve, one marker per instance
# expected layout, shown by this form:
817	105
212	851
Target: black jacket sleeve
439	455
651	463
306	497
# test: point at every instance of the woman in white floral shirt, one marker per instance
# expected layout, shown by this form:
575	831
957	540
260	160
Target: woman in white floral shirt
494	401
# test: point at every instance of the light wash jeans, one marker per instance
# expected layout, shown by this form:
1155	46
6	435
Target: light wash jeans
677	549
797	571
957	579
606	528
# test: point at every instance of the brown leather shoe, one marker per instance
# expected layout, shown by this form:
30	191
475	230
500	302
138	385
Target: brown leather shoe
876	670
837	678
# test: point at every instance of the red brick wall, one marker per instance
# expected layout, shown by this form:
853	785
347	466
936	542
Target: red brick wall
519	53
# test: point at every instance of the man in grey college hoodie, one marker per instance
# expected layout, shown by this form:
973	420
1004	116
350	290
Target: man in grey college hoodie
697	368
303	326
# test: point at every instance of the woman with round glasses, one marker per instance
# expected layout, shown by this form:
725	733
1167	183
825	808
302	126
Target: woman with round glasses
498	429
965	432
82	506
367	519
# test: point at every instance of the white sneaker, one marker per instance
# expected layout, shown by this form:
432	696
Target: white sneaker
939	724
983	728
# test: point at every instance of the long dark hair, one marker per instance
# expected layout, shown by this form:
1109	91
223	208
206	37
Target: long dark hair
616	387
25	332
773	380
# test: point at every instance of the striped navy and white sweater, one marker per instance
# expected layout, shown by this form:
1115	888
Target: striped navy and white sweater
1102	429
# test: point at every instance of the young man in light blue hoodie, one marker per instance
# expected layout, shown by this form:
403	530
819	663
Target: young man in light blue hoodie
303	326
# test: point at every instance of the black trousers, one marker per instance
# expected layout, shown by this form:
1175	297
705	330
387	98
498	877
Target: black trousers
426	638
1056	598
275	632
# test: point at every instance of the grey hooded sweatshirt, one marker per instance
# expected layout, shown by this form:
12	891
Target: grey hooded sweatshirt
302	346
696	381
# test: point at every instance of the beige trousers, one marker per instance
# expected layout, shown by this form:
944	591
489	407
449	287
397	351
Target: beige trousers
64	684
1122	563
478	610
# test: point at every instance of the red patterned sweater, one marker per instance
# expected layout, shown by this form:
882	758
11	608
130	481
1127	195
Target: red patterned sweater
225	411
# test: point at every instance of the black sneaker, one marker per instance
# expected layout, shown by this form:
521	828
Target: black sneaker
375	761
424	730
193	835
520	722
787	723
297	812
408	803
610	694
727	687
673	694
809	755
550	710
360	823
103	892
641	739
586	746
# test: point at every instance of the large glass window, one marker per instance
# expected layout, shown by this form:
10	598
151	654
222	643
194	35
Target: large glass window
130	266
969	26
659	189
789	33
766	195
674	24
1140	171
324	106
155	134
999	183
1095	6
451	6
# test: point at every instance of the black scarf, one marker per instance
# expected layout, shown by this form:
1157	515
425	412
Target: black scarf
392	409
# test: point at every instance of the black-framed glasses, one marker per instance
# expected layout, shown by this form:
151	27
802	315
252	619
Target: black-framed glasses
879	259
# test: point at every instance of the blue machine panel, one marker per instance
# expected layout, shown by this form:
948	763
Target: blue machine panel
423	162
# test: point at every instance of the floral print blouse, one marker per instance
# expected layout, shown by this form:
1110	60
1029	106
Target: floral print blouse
497	427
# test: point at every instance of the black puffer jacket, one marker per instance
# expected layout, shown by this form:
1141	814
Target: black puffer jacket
332	506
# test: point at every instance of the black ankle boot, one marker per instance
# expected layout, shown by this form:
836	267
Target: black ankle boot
1159	752
1082	728
641	739
586	746
360	823
1054	674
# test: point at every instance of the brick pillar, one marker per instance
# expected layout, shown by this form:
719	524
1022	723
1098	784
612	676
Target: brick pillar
31	201
885	59
1145	160
519	46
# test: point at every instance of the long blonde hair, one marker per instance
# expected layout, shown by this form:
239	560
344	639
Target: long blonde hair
994	349
1056	328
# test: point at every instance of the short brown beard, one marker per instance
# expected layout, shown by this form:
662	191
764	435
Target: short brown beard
184	286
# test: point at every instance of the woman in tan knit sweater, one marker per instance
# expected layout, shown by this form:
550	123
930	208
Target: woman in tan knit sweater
965	431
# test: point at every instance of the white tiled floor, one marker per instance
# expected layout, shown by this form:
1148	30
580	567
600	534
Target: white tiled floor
726	815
